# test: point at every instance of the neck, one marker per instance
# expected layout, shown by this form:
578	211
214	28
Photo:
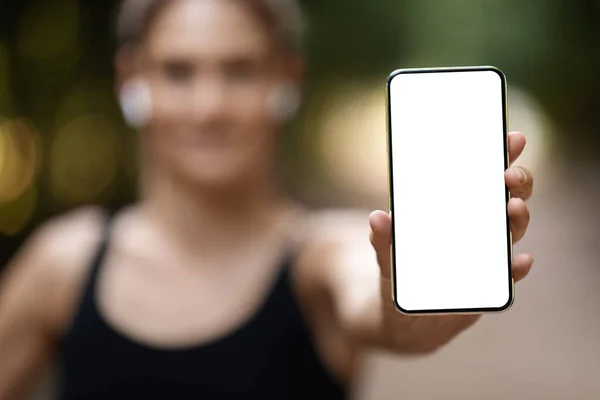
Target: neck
214	216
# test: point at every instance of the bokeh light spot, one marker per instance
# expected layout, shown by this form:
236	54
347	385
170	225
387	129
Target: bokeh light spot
353	142
19	158
83	159
526	115
85	98
15	215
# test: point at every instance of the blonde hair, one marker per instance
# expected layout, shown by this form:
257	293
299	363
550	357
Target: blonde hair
284	17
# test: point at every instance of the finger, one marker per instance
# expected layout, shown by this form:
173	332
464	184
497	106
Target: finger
519	181
516	144
521	266
518	212
381	234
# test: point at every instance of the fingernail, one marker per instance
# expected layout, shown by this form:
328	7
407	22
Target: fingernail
520	175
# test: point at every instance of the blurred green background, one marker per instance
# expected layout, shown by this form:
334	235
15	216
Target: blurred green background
63	142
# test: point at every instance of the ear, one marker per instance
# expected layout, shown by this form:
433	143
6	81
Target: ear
131	90
126	65
284	101
294	69
136	103
285	98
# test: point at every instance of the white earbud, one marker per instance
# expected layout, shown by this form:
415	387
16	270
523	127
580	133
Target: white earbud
284	102
136	103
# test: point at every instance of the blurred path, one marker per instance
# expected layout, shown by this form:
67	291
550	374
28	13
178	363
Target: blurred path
548	345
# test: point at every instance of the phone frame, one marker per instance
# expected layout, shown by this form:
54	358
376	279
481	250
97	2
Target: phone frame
510	281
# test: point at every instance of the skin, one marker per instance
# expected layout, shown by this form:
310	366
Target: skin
211	220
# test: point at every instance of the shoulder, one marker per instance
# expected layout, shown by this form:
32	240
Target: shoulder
52	261
335	246
60	242
335	233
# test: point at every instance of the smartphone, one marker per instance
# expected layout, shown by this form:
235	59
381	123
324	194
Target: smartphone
448	151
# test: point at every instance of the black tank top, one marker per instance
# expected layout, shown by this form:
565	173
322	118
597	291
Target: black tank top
270	357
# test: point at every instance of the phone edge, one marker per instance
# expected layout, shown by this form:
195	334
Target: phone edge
511	283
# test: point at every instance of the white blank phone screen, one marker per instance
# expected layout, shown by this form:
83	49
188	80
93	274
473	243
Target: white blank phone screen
447	144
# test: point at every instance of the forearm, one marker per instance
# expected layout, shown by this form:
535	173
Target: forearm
25	343
357	279
373	322
24	351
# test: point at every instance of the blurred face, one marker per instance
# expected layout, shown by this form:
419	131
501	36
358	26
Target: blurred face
210	66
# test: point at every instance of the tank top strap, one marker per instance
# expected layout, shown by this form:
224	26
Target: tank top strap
281	295
290	254
294	243
86	309
102	249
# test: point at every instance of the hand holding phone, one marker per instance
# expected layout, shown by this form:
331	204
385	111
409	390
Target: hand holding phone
448	153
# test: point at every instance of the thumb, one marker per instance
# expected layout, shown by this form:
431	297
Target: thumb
381	237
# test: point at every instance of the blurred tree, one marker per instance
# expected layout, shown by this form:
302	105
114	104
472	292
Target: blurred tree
546	46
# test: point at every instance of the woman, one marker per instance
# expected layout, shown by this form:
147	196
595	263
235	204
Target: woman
214	285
